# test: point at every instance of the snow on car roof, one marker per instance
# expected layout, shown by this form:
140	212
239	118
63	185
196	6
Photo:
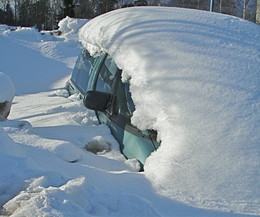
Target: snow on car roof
195	78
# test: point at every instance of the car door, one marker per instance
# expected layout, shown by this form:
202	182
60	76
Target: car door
133	142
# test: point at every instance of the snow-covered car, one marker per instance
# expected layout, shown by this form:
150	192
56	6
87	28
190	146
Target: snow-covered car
193	78
98	81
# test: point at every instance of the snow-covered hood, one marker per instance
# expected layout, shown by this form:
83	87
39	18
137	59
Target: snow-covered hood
195	78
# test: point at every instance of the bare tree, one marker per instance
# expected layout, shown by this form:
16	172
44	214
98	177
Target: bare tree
220	6
246	2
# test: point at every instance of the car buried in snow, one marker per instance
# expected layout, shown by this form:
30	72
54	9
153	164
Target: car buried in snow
98	81
173	78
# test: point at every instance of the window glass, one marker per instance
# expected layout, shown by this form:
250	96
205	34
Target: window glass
75	72
108	79
124	105
106	76
95	69
82	71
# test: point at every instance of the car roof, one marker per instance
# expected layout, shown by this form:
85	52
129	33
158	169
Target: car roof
142	35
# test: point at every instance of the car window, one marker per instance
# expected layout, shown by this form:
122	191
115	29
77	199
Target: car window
106	76
108	79
82	71
124	104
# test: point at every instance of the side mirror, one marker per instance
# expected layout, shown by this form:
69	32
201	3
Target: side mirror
98	101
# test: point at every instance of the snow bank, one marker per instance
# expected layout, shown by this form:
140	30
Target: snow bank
27	73
23	33
7	89
194	77
75	198
69	27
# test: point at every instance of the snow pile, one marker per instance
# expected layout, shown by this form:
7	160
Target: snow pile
75	198
194	77
7	89
12	176
69	27
23	33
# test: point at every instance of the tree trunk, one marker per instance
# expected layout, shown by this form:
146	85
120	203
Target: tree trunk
244	10
220	6
258	12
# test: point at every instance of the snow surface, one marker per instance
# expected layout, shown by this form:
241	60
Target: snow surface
195	78
45	169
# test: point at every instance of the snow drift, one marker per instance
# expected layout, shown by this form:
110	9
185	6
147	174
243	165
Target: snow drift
194	77
7	89
69	27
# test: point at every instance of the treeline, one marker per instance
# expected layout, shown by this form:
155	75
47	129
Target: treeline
45	14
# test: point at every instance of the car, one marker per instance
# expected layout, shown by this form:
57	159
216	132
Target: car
178	85
98	82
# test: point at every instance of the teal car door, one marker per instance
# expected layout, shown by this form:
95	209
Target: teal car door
133	142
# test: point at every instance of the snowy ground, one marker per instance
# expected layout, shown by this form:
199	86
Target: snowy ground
44	167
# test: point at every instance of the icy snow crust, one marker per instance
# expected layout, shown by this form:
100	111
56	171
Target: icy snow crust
195	78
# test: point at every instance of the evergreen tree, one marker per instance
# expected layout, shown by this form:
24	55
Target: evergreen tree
42	14
9	15
24	13
106	5
68	8
85	9
140	3
2	16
